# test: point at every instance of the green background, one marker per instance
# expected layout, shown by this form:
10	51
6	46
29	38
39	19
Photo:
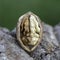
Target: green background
47	10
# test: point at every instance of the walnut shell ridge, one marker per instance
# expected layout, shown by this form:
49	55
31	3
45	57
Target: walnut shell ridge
29	31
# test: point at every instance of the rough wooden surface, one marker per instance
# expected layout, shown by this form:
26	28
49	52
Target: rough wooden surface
48	49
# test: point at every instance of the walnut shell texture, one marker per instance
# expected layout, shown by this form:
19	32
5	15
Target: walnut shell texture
29	31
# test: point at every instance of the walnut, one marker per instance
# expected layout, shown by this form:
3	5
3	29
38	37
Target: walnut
29	31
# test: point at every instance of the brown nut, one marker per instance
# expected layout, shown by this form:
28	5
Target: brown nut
29	31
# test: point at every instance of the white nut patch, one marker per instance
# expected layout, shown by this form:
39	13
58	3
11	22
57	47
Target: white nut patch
35	30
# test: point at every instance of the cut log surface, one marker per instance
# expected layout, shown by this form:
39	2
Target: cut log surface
49	48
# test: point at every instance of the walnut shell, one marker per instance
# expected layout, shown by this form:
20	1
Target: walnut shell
29	31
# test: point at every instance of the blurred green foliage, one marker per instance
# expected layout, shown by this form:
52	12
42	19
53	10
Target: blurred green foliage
11	10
